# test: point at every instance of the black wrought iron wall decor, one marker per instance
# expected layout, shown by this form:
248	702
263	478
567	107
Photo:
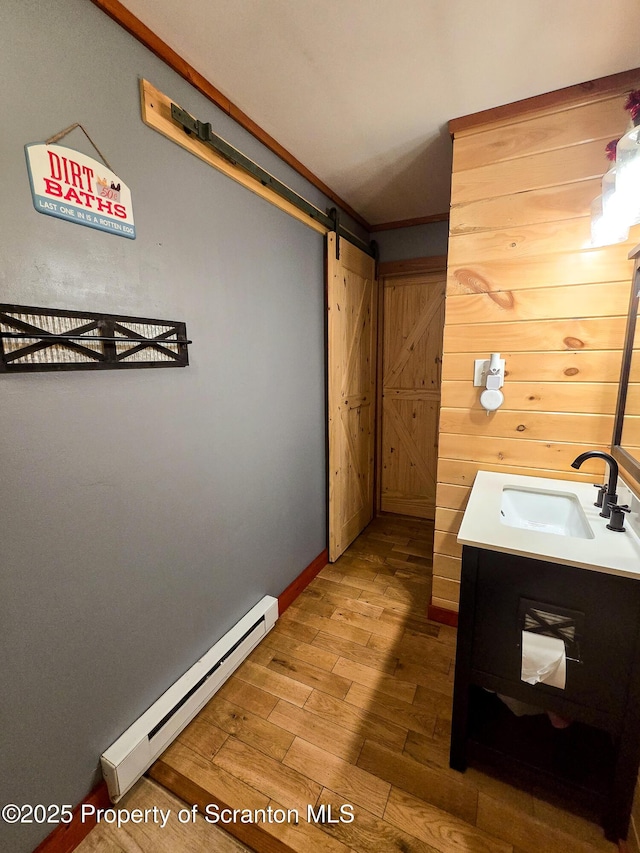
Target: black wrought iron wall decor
33	339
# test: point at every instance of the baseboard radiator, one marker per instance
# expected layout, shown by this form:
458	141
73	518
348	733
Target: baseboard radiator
135	751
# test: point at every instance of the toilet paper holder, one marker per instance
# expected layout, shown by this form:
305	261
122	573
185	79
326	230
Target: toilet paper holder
551	621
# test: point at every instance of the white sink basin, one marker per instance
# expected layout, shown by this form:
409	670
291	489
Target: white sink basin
545	511
550	526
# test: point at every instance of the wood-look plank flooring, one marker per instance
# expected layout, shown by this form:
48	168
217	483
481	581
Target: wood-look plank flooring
347	702
151	836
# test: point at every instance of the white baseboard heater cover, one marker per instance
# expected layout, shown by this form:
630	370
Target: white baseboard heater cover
135	751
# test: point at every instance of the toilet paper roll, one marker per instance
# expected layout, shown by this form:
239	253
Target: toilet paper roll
544	660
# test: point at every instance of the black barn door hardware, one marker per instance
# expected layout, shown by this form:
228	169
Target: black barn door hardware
205	134
334	215
33	339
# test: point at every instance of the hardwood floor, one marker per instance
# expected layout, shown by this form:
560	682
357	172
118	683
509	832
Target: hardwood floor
152	836
347	704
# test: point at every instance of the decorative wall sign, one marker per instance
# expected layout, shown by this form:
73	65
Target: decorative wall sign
52	339
69	185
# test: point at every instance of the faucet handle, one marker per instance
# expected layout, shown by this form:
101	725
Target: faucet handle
601	493
617	517
610	500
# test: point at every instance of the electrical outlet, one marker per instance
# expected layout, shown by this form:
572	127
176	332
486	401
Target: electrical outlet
480	370
480	367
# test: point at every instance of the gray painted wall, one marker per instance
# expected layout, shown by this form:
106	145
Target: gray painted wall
417	241
142	512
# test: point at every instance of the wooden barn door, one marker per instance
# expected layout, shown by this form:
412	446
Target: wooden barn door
413	321
352	302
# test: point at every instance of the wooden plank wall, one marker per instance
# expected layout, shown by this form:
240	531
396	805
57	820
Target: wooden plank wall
523	281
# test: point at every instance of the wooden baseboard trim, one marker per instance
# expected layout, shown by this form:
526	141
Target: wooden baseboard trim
439	614
303	580
66	837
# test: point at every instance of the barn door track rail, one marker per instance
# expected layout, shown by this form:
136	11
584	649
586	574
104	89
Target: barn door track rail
160	113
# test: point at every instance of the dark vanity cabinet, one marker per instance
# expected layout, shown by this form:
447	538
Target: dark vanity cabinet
593	763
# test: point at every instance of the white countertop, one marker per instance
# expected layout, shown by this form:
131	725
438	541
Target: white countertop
613	553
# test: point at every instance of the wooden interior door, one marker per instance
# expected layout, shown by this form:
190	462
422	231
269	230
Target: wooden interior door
352	304
413	320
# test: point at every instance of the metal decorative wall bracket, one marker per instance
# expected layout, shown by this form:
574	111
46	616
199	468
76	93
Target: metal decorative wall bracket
33	339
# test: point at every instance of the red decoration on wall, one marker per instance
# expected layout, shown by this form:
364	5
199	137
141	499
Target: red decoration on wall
633	104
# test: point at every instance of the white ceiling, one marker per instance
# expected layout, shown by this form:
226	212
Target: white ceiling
361	91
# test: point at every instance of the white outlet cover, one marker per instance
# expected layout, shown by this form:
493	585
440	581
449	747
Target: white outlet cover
480	369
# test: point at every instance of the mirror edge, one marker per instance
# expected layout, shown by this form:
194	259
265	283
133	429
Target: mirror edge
622	456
